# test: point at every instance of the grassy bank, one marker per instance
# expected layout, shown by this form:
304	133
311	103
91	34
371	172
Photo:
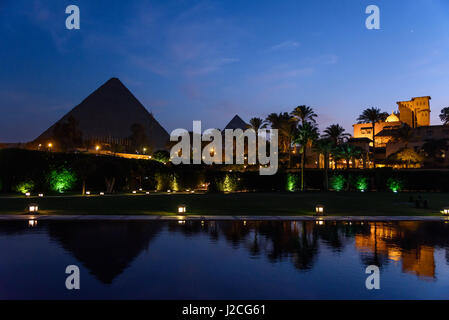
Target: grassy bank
357	204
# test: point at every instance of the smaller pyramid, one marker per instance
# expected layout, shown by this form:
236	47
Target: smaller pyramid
236	123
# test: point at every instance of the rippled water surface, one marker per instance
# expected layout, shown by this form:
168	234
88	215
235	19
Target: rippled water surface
224	260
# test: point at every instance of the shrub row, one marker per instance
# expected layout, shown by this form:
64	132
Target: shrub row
23	170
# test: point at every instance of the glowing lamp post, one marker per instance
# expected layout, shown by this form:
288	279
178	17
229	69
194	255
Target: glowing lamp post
33	208
319	210
182	208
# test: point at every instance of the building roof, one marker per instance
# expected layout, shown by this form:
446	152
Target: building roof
392	118
237	123
110	111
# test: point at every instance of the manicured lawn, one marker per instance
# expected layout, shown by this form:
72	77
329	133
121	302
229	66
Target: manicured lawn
370	203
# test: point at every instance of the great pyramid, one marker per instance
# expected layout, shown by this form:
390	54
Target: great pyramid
110	111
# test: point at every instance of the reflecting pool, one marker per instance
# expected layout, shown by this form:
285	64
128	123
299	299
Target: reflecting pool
223	259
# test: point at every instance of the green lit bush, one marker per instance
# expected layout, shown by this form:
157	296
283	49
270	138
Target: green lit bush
337	182
361	183
394	184
163	181
292	182
25	186
161	156
61	180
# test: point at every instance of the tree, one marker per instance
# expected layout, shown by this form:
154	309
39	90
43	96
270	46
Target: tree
138	137
84	167
67	134
373	116
325	147
305	136
435	148
336	133
161	156
256	124
348	151
286	129
304	114
407	156
444	115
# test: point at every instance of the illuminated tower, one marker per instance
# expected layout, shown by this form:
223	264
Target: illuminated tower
416	112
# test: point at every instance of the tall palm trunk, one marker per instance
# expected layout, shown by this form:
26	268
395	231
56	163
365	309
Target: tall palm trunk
374	146
326	171
303	156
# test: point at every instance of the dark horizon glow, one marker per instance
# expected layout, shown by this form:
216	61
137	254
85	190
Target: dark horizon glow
210	60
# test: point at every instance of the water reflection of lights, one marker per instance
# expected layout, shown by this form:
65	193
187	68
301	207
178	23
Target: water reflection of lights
32	223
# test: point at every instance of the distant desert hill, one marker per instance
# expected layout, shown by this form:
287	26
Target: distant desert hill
110	111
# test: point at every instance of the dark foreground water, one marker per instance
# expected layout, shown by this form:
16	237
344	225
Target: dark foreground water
224	260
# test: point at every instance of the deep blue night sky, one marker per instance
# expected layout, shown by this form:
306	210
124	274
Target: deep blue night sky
208	60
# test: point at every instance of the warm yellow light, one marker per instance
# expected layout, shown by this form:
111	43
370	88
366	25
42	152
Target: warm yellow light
101	193
134	191
50	145
182	208
28	194
33	207
148	192
41	195
88	192
32	223
319	209
445	211
97	147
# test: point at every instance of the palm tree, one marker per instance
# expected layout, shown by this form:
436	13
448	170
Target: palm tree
286	128
336	133
373	116
348	152
444	115
325	147
304	114
307	133
256	124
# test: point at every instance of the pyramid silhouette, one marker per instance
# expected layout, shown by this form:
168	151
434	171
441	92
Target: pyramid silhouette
237	123
110	111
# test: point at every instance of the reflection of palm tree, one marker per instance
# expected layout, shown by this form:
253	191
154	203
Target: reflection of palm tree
307	248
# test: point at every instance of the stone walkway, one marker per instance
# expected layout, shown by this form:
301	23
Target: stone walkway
219	218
